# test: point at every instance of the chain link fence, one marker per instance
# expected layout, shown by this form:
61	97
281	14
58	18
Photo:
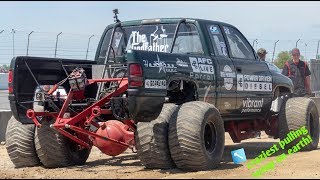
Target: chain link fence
47	44
83	46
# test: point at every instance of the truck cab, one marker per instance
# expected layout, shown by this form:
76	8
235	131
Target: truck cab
209	61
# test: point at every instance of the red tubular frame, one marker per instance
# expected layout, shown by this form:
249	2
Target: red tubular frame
86	116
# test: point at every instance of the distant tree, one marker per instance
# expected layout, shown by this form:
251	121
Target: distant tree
6	67
282	57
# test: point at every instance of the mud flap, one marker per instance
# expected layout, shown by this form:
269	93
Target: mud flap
145	109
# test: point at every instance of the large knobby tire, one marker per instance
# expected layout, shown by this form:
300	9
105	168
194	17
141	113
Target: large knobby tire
20	144
196	137
295	113
55	150
152	140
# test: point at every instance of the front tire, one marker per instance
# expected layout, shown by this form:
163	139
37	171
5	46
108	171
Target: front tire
295	113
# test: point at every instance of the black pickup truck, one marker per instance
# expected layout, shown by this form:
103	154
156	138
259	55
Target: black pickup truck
190	81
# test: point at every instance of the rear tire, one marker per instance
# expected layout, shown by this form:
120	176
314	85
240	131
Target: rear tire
55	150
20	144
295	113
197	137
152	140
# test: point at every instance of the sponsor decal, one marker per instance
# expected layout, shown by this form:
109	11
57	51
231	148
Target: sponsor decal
228	76
157	41
254	83
201	65
163	67
200	76
155	84
250	105
214	29
223	48
181	63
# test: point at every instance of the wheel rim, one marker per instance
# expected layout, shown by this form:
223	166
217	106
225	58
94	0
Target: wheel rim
210	137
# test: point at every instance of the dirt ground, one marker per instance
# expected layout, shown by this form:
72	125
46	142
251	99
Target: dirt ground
127	165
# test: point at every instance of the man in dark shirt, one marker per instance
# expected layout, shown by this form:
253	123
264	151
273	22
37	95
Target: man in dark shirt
298	71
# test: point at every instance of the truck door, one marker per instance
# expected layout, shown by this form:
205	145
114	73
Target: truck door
226	75
253	78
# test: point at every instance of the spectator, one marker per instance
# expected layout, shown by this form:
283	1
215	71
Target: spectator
262	54
298	71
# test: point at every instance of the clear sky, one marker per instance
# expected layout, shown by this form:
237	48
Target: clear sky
265	21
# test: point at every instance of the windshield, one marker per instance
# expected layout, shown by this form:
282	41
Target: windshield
156	38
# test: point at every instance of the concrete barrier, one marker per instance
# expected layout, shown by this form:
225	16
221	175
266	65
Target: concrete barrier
4	81
5	115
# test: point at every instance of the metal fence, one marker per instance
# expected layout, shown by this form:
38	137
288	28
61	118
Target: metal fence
15	42
46	44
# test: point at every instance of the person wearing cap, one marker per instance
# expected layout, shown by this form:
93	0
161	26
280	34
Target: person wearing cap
298	71
262	54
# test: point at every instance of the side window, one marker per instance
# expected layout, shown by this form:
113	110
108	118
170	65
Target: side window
239	47
218	43
188	40
104	47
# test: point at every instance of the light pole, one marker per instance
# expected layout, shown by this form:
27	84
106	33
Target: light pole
256	40
297	42
305	51
88	45
28	42
13	31
55	50
317	49
274	49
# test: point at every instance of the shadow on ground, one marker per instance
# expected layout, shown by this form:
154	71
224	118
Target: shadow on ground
252	150
118	161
